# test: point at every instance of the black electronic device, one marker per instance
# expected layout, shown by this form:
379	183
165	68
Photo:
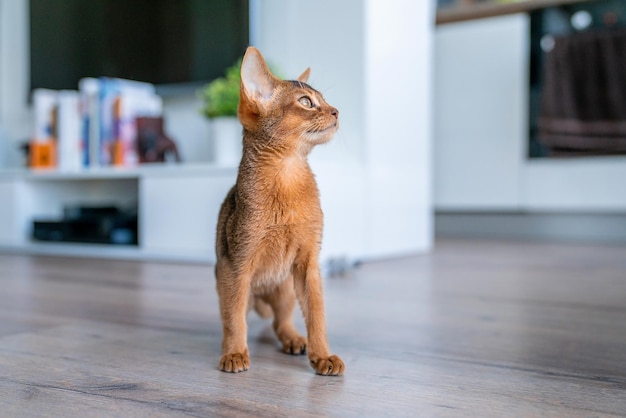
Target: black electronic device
89	224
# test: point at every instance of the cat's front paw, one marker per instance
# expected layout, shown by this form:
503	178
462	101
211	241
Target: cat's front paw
234	362
331	366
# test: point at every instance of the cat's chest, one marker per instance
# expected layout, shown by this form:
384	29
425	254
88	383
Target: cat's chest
289	199
288	221
297	212
278	250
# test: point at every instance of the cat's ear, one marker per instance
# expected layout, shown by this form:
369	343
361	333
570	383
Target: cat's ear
257	81
304	77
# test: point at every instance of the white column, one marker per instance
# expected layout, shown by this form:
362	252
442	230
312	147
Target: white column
398	80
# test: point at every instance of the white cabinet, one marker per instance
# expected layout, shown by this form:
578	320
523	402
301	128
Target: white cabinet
177	208
180	214
481	131
480	100
10	219
587	185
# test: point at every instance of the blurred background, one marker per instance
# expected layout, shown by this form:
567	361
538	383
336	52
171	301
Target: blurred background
466	118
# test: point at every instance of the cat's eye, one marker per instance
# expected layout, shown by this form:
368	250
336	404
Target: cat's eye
306	101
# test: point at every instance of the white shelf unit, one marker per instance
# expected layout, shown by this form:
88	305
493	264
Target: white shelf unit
177	208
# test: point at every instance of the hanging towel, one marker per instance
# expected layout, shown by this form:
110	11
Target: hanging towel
583	103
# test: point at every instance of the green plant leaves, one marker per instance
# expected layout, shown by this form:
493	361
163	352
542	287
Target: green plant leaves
221	96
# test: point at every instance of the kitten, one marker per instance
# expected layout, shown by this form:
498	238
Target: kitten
270	224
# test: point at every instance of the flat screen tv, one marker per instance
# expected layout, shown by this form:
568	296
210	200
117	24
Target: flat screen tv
170	43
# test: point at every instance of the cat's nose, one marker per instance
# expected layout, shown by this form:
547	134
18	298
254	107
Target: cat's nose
334	112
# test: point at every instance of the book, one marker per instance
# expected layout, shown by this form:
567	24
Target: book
128	106
90	120
109	108
43	144
68	130
44	103
109	91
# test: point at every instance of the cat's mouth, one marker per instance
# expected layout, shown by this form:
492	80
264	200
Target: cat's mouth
323	130
321	135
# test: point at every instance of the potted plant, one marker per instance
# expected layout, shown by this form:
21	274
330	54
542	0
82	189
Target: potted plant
221	97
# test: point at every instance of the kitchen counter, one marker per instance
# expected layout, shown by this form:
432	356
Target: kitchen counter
464	11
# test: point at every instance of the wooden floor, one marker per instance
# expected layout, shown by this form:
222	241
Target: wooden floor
474	329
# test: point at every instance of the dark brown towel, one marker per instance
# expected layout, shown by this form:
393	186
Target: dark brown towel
583	105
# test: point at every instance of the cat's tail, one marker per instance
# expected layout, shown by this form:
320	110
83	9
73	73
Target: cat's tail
262	308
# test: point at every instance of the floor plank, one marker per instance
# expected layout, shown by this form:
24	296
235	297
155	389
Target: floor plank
475	328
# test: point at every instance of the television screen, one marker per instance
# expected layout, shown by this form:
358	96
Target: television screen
164	42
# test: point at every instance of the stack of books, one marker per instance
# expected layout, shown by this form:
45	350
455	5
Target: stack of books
93	126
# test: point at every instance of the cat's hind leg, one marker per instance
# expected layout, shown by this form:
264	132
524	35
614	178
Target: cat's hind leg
282	301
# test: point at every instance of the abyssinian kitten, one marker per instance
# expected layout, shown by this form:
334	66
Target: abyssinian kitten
270	224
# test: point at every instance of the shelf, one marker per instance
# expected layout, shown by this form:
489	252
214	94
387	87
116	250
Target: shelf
118	252
177	204
130	252
96	173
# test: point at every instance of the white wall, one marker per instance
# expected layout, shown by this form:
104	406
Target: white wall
14	111
327	36
187	127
